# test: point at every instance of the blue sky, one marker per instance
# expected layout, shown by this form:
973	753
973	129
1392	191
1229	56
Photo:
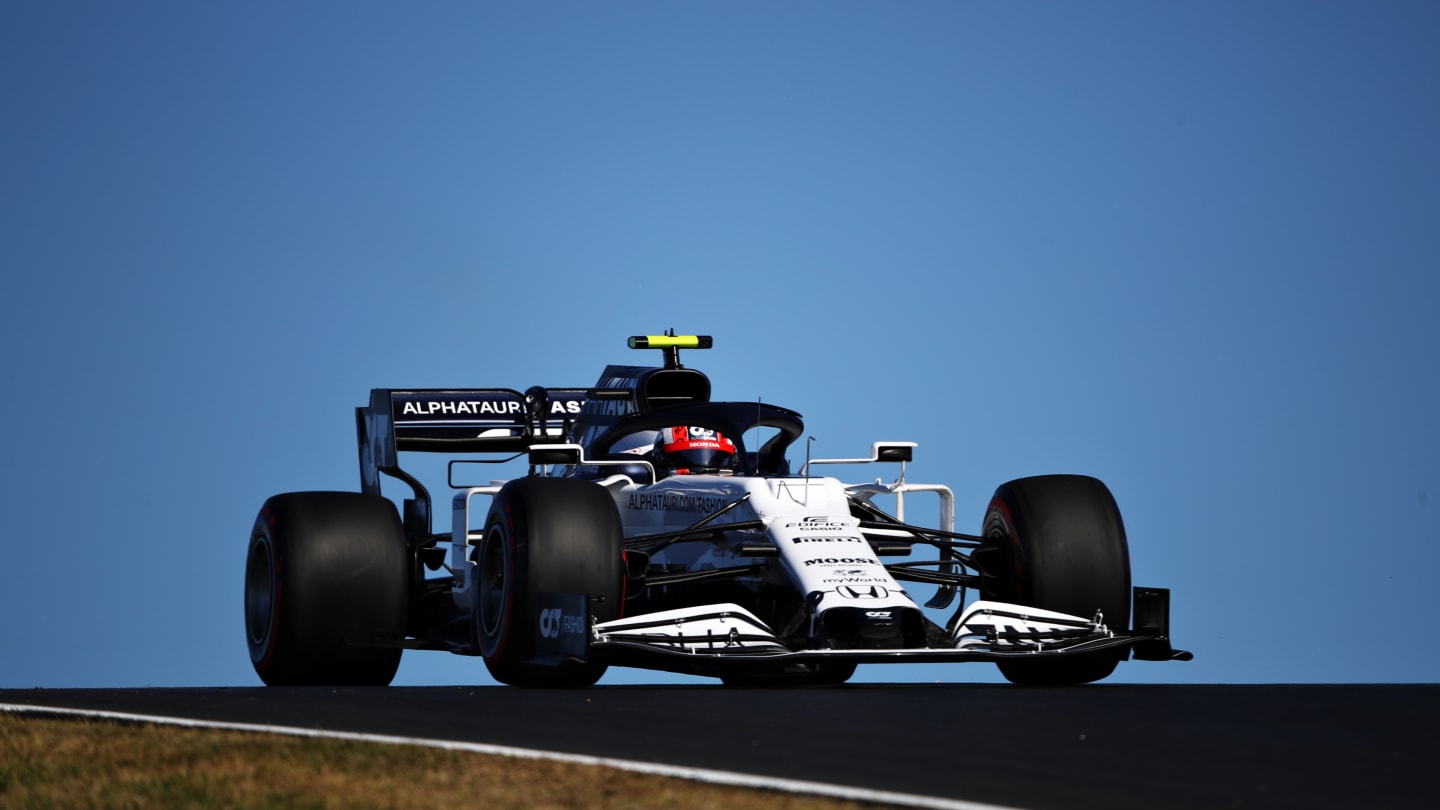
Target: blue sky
1190	249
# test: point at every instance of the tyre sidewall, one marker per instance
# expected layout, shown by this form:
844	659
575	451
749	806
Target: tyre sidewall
495	630
262	608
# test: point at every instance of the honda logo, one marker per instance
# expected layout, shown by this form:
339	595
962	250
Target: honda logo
862	592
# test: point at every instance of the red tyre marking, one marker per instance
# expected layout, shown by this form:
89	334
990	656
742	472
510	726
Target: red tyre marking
1009	524
270	634
624	581
508	611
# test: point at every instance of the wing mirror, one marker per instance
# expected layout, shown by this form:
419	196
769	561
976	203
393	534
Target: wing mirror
893	451
545	454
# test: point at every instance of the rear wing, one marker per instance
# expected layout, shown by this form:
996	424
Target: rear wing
479	420
503	420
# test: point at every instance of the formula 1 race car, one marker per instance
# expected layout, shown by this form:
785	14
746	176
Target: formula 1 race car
661	530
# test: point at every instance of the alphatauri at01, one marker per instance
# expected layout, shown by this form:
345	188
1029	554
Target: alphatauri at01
661	530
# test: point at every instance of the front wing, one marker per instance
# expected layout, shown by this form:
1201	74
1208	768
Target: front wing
726	639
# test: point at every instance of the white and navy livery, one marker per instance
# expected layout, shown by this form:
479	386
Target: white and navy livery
611	553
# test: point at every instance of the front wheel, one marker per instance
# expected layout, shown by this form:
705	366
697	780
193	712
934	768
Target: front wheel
546	538
1058	543
326	573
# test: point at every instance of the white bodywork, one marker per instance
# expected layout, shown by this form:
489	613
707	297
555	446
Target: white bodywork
820	545
822	554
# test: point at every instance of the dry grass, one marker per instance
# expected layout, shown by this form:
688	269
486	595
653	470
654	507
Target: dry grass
47	762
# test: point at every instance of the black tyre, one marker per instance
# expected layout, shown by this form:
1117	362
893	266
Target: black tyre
1059	544
326	572
545	536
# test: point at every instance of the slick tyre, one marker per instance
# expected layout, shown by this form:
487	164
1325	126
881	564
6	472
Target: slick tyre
545	536
1058	543
326	573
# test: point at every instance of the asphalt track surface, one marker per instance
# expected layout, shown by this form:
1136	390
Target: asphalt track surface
1101	746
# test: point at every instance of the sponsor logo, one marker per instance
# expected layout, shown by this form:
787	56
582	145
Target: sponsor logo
675	502
863	592
826	540
461	407
877	614
479	407
840	561
853	578
554	622
819	524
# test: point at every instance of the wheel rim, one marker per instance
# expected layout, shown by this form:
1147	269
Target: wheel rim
259	592
494	574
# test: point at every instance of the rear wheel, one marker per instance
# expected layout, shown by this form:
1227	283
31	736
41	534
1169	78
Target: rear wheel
1058	543
545	536
326	573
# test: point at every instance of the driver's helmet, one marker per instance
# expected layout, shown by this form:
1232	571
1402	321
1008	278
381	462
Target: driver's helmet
695	451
